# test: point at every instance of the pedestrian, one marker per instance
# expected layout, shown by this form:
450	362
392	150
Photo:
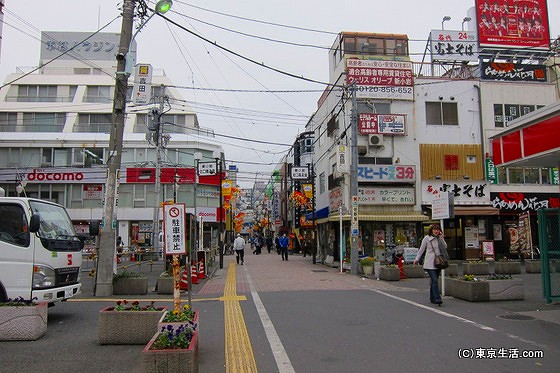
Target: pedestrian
284	241
433	244
277	244
269	243
258	245
239	247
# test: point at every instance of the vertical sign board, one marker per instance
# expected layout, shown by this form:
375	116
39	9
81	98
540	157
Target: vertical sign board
440	206
355	222
142	89
174	229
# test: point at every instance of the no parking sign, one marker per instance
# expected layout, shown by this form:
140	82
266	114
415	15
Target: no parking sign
174	229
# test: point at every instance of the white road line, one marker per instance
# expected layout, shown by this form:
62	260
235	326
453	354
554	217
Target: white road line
459	318
282	360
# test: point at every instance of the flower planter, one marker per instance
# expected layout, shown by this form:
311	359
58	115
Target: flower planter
164	285
127	327
130	286
367	270
23	323
510	289
476	268
507	268
389	273
177	324
412	271
533	266
485	290
472	291
171	360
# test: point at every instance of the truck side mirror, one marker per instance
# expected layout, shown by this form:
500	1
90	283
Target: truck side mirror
34	223
94	228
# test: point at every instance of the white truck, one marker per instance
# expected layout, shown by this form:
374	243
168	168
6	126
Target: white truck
40	253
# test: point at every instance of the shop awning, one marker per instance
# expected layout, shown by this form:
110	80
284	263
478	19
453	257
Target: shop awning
319	214
476	210
396	216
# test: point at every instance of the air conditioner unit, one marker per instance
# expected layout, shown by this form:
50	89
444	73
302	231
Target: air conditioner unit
375	140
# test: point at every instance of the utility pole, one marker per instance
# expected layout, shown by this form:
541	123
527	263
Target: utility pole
354	177
157	187
106	253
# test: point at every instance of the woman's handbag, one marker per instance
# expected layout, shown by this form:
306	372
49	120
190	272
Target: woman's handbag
440	262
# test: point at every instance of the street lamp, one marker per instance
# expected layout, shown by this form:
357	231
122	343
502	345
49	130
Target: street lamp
465	20
446	18
197	158
106	253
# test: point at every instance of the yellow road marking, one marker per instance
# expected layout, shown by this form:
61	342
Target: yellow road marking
239	351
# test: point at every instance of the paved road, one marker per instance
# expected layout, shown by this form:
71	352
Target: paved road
301	317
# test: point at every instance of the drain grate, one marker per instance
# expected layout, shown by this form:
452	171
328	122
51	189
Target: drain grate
515	316
319	270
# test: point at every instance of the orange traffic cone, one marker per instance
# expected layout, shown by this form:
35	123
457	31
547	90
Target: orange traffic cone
194	275
201	270
184	281
132	257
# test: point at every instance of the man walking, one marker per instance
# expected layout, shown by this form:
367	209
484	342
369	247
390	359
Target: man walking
239	247
284	241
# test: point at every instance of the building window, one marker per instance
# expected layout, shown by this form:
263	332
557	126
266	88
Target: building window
96	123
8	122
322	183
37	93
98	93
332	126
43	122
442	113
504	113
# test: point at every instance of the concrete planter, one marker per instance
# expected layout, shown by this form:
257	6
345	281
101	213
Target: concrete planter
467	290
130	286
507	268
414	271
164	285
389	273
23	323
127	327
476	268
510	289
171	360
485	290
533	266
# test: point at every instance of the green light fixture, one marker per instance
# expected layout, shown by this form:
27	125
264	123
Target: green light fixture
163	6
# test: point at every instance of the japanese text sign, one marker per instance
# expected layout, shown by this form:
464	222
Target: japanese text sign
207	168
142	90
386	196
453	45
299	173
381	79
174	229
386	124
387	173
464	192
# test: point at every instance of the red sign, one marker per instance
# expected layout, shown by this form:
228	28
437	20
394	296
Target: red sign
387	124
513	23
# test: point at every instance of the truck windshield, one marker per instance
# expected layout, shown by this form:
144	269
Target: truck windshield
56	230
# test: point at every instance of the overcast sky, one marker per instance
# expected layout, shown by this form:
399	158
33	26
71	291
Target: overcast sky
292	36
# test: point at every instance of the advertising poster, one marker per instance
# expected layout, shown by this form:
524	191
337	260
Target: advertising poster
513	23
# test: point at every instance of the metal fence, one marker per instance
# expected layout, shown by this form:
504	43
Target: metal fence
549	242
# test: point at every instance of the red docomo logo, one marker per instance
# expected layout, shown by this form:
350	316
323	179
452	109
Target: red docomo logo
54	176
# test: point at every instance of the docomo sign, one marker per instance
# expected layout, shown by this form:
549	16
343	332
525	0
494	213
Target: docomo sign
41	175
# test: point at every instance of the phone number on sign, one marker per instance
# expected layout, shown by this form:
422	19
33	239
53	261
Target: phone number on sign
376	89
499	353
